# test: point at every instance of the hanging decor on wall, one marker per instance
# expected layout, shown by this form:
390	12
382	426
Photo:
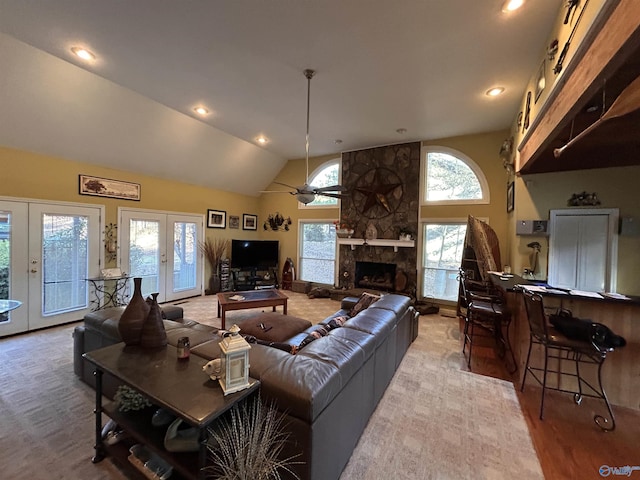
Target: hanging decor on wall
275	222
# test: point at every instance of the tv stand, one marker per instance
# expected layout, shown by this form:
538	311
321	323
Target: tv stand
254	278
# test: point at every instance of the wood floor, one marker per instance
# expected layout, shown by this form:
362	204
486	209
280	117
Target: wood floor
568	442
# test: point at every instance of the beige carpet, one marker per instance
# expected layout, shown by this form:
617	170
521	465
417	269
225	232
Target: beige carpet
435	420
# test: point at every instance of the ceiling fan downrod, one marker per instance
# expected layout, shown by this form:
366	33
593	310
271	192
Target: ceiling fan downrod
309	74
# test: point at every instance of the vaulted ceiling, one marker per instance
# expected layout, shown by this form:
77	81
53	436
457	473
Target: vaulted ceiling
422	66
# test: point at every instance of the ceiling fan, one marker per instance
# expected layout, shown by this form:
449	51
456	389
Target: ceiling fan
307	193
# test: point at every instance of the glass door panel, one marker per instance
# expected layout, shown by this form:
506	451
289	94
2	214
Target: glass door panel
13	262
185	279
144	256
64	250
441	258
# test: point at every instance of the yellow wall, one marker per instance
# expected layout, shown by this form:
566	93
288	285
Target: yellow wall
34	176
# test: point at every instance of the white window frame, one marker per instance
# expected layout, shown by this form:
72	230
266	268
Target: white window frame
475	168
336	259
422	243
319	169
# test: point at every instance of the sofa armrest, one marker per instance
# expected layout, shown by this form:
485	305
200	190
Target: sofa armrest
348	303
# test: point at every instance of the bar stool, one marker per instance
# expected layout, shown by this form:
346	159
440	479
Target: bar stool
560	347
485	315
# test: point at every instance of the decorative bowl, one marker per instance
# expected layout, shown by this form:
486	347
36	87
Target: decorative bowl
344	232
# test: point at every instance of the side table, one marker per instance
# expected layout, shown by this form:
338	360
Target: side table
178	386
109	291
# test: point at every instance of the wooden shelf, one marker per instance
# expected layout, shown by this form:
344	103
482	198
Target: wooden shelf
354	242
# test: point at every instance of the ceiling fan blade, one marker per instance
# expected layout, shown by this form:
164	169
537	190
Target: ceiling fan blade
333	195
274	191
285	185
331	188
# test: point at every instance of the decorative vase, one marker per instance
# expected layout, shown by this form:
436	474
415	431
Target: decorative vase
134	315
153	332
214	283
371	233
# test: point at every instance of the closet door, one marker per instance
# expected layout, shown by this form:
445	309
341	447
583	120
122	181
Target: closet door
583	249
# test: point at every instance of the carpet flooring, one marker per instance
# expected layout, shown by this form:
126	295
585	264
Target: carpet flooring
435	421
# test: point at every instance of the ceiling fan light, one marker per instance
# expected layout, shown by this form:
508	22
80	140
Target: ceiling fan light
306	198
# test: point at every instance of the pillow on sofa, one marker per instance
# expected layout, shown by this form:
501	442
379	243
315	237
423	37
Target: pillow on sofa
323	330
365	300
287	347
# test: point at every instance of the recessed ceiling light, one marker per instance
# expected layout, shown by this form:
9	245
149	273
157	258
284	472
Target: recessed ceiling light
401	131
495	91
337	141
83	53
262	140
511	5
201	110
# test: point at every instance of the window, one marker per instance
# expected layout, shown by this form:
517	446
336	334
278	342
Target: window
453	178
441	258
317	259
325	175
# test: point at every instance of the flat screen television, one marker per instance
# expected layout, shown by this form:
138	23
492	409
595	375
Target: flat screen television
254	253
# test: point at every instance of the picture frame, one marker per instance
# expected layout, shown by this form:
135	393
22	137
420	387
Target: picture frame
234	221
216	218
540	82
108	187
510	197
249	222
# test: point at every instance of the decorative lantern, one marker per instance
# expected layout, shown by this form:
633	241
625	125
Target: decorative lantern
234	362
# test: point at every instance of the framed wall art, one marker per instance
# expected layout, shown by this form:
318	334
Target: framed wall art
216	219
540	82
510	196
106	187
249	222
234	221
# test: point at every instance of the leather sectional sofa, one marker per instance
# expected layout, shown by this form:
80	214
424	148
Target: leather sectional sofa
328	390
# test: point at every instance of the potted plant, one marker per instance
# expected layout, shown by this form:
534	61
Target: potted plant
214	251
405	234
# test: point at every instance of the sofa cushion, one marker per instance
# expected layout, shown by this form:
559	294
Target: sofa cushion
376	322
398	304
365	300
273	326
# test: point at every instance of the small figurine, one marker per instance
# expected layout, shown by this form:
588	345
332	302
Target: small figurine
213	369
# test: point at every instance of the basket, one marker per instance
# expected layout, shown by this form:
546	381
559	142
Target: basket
149	464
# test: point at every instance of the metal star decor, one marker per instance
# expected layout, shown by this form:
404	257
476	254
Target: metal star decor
376	193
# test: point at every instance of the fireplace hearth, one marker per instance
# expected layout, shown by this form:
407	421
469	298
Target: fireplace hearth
379	276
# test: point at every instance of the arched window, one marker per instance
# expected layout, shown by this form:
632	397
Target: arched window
453	178
325	175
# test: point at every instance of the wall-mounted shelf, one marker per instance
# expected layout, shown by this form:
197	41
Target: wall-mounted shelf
354	242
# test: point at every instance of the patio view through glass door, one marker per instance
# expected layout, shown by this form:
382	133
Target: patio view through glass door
47	251
162	249
441	258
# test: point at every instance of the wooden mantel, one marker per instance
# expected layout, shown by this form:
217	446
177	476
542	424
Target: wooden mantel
607	51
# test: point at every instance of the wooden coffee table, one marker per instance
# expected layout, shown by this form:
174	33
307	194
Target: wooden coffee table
249	299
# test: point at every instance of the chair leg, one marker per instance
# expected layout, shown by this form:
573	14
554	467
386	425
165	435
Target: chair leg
544	380
471	333
510	350
526	365
599	419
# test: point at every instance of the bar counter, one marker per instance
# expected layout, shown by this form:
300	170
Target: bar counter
621	370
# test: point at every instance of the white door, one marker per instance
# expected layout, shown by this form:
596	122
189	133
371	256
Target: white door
14	265
64	250
46	253
162	249
583	249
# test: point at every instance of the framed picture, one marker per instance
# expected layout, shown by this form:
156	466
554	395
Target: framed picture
540	82
249	222
510	197
216	219
106	187
234	221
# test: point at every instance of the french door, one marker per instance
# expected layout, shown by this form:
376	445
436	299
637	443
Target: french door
47	251
162	249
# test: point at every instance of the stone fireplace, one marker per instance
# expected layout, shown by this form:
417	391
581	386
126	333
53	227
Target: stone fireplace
384	197
376	275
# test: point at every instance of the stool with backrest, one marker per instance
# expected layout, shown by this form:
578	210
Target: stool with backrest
558	346
485	314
